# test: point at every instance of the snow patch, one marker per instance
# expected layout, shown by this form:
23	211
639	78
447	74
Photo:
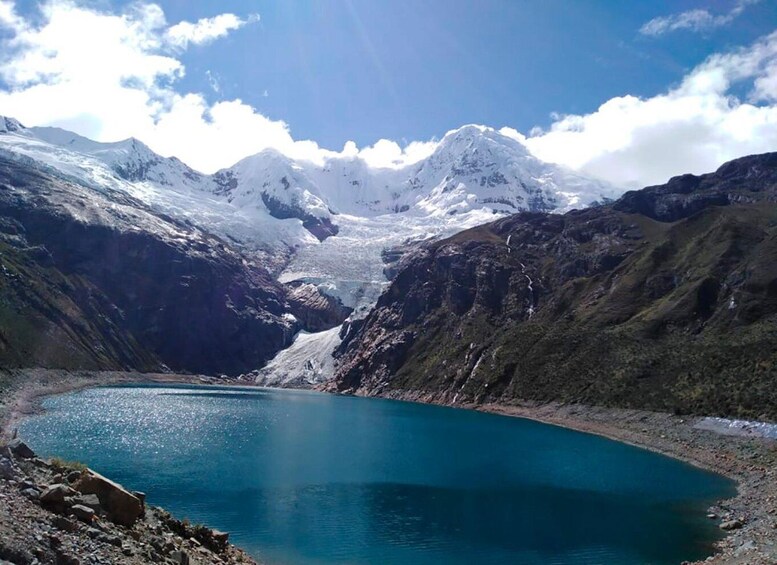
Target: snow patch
745	428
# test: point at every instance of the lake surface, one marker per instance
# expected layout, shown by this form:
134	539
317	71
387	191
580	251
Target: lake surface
302	478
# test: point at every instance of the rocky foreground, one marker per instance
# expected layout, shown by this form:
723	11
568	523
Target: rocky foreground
57	512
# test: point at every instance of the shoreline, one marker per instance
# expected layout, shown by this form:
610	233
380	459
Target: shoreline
26	397
751	462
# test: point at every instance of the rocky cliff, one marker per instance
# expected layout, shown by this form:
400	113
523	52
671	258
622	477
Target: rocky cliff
665	299
92	278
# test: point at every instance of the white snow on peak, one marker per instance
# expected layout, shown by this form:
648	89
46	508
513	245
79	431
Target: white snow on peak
10	125
324	223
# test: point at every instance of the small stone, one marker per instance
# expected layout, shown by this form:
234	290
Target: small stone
221	538
67	559
27	482
712	516
73	476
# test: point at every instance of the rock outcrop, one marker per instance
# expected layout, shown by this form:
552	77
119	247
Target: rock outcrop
315	310
45	519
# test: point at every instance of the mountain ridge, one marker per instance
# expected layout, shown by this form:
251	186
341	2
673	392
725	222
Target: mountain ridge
665	299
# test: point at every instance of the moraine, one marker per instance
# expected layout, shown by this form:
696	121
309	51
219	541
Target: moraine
301	478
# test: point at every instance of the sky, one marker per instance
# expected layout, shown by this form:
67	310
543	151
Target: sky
629	92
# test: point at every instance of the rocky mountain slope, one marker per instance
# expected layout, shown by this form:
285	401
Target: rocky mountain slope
92	278
665	299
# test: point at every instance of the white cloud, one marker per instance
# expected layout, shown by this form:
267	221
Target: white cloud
388	153
205	30
110	76
213	81
694	20
693	127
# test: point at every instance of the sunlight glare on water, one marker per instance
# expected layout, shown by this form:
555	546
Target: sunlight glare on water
306	478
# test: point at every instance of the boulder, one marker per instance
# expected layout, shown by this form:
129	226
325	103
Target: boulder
88	500
20	449
121	506
729	525
31	493
142	497
56	494
7	469
220	538
83	513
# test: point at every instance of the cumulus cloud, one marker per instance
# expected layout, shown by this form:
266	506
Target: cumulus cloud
693	127
694	20
110	76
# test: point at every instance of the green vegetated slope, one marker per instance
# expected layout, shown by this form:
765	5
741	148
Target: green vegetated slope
666	299
43	322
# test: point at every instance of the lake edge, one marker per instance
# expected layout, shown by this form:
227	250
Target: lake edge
612	423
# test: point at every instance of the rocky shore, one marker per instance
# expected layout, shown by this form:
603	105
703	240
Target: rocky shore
749	519
56	512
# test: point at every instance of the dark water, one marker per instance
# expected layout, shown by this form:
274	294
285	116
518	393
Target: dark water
300	477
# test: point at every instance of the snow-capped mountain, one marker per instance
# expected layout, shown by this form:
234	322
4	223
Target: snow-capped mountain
327	223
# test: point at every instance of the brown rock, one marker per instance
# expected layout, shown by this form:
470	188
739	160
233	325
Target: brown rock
122	506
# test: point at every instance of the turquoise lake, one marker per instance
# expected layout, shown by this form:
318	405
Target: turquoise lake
306	478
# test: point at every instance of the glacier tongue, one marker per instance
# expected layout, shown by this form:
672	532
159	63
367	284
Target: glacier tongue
306	362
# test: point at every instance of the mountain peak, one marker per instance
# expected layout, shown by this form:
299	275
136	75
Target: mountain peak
10	125
477	137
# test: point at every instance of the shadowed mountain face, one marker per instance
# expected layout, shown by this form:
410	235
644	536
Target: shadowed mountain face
666	299
91	278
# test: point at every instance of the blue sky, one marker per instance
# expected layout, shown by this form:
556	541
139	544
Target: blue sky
402	70
364	70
